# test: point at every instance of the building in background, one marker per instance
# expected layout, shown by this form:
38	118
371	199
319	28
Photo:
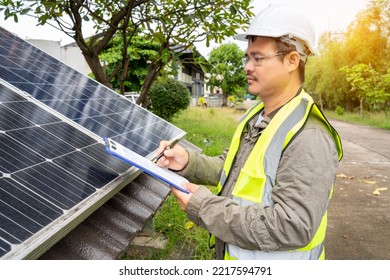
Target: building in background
190	74
69	54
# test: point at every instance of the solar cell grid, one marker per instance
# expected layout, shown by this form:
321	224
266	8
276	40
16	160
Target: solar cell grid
54	184
41	142
10	120
15	156
16	198
9	95
32	112
52	121
98	152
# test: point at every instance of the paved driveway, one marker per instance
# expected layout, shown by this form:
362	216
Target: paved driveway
359	213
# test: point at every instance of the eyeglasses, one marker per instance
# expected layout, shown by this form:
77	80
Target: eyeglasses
256	60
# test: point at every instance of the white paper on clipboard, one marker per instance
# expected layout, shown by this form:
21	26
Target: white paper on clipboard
127	155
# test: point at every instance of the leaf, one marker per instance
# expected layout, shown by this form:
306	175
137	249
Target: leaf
344	176
160	37
24	11
368	182
189	225
233	9
378	190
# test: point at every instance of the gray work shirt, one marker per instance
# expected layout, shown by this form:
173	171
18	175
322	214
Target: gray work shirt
304	180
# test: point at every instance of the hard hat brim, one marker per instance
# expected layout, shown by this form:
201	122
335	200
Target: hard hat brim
241	37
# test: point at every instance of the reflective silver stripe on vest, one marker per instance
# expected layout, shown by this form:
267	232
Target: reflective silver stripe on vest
275	149
243	254
223	178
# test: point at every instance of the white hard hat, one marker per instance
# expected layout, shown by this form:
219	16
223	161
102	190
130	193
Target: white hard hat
284	22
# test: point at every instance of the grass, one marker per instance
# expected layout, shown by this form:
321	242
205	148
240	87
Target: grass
378	119
185	239
217	125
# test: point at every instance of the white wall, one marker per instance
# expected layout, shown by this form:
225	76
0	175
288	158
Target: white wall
69	55
75	59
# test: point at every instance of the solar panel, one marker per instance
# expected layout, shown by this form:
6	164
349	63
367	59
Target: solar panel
54	170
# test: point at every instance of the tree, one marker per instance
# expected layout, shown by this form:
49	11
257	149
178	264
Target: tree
366	42
367	36
227	70
370	86
323	77
141	52
167	22
168	97
360	77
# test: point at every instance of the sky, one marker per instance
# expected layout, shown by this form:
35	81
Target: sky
326	15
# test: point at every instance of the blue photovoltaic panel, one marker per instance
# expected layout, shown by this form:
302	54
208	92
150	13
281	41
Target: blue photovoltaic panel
52	121
78	97
43	168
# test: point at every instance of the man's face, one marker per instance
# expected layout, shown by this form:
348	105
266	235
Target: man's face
266	73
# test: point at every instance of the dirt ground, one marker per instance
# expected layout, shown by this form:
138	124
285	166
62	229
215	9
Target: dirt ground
359	213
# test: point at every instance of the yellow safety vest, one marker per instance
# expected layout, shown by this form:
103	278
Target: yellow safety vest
257	178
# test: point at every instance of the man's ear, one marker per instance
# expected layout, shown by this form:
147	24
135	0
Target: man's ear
293	59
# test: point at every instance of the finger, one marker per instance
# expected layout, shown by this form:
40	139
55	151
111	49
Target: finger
192	188
182	198
162	162
176	192
163	145
170	152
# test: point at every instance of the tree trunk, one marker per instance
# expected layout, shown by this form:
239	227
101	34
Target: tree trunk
224	91
97	69
123	77
153	71
224	99
361	107
321	103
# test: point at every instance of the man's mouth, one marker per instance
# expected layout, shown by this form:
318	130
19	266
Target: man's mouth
250	79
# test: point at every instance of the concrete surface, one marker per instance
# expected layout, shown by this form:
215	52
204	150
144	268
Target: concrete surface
359	213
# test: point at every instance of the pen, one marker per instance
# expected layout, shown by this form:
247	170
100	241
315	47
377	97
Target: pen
170	146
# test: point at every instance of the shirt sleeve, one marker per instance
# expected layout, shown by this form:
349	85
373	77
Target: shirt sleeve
304	180
202	169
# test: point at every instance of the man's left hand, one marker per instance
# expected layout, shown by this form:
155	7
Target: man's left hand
184	198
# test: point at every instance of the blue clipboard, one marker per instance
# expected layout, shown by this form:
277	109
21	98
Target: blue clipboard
132	158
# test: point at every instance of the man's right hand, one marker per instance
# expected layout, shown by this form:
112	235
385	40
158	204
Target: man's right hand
175	158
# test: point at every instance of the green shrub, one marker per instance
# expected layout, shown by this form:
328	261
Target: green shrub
339	110
168	97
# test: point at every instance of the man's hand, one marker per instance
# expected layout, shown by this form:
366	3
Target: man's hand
175	158
184	198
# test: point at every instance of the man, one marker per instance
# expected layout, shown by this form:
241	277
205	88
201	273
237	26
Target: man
276	179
